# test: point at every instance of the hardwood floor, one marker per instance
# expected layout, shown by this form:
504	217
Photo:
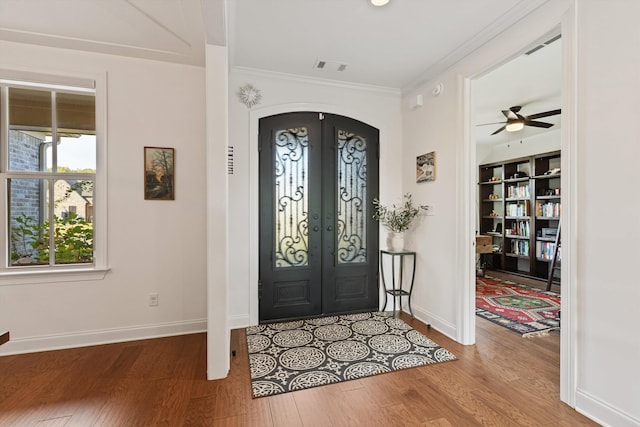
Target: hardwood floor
504	380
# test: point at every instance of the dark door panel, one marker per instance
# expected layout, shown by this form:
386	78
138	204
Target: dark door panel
318	241
350	244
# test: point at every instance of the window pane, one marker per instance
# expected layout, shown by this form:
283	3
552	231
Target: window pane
25	150
28	240
76	112
76	149
73	230
29	213
30	109
76	153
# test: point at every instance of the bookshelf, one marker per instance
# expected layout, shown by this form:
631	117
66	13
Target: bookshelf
491	212
519	207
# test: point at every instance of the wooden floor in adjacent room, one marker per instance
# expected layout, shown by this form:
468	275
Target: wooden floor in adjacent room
504	380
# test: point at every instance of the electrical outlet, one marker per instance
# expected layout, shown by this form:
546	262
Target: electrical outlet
153	299
428	209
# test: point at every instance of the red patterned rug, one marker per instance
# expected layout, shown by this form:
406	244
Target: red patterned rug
523	309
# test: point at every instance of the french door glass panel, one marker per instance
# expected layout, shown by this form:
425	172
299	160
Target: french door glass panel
291	198
351	198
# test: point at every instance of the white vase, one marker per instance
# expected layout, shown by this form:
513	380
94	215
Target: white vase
395	241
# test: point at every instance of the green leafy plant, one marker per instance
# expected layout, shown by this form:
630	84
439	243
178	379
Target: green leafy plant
23	237
73	238
396	218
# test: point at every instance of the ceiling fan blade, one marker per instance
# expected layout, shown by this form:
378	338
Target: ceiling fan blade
510	115
494	123
545	114
500	130
537	124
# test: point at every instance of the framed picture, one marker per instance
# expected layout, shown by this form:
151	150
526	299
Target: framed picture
426	167
159	180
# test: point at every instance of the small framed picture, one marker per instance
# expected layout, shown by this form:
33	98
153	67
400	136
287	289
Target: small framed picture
426	167
159	178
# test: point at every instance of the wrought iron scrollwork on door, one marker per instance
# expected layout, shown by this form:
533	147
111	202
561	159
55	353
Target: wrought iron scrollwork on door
291	198
352	192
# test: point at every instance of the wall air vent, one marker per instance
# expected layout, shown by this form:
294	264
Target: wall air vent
330	65
230	160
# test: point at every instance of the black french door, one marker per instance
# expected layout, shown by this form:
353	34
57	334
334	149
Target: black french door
318	241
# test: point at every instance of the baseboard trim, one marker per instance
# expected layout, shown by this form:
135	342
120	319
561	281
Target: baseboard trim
102	336
238	321
436	322
603	413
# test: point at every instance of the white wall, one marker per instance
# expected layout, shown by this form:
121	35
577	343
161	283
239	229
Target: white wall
516	147
377	107
603	288
153	246
608	376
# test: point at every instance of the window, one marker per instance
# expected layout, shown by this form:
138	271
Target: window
48	176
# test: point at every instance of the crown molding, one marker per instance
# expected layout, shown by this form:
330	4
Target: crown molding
502	23
317	81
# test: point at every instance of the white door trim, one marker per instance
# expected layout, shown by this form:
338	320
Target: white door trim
465	238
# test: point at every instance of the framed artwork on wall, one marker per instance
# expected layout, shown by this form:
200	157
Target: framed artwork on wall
159	177
426	167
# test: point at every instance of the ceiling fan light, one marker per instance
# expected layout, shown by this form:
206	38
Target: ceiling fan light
514	126
379	2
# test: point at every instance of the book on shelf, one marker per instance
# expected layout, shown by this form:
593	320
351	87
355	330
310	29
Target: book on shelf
548	209
519	228
520	208
544	250
518	191
520	247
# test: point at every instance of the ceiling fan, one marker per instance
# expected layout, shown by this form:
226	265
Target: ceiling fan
517	121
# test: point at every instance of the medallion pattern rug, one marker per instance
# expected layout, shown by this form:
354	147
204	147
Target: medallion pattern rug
523	309
301	354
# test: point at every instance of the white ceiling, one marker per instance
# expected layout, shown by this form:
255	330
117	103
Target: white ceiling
391	46
166	30
395	46
530	81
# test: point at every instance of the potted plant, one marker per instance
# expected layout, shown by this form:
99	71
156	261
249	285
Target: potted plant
396	219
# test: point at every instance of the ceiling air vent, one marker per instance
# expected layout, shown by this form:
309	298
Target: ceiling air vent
535	49
330	65
540	46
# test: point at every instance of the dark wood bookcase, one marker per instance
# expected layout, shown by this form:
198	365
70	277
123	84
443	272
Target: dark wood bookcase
519	206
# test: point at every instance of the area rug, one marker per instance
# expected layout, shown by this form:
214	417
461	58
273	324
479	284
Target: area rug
529	311
302	354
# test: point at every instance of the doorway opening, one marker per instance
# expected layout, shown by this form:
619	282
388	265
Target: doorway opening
518	146
318	244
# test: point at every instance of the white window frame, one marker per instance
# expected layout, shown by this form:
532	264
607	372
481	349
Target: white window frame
59	273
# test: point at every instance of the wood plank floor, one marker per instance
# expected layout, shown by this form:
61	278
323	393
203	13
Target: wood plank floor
504	380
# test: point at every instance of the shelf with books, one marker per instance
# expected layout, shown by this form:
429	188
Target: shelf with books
547	188
491	195
547	209
519	247
544	251
524	197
